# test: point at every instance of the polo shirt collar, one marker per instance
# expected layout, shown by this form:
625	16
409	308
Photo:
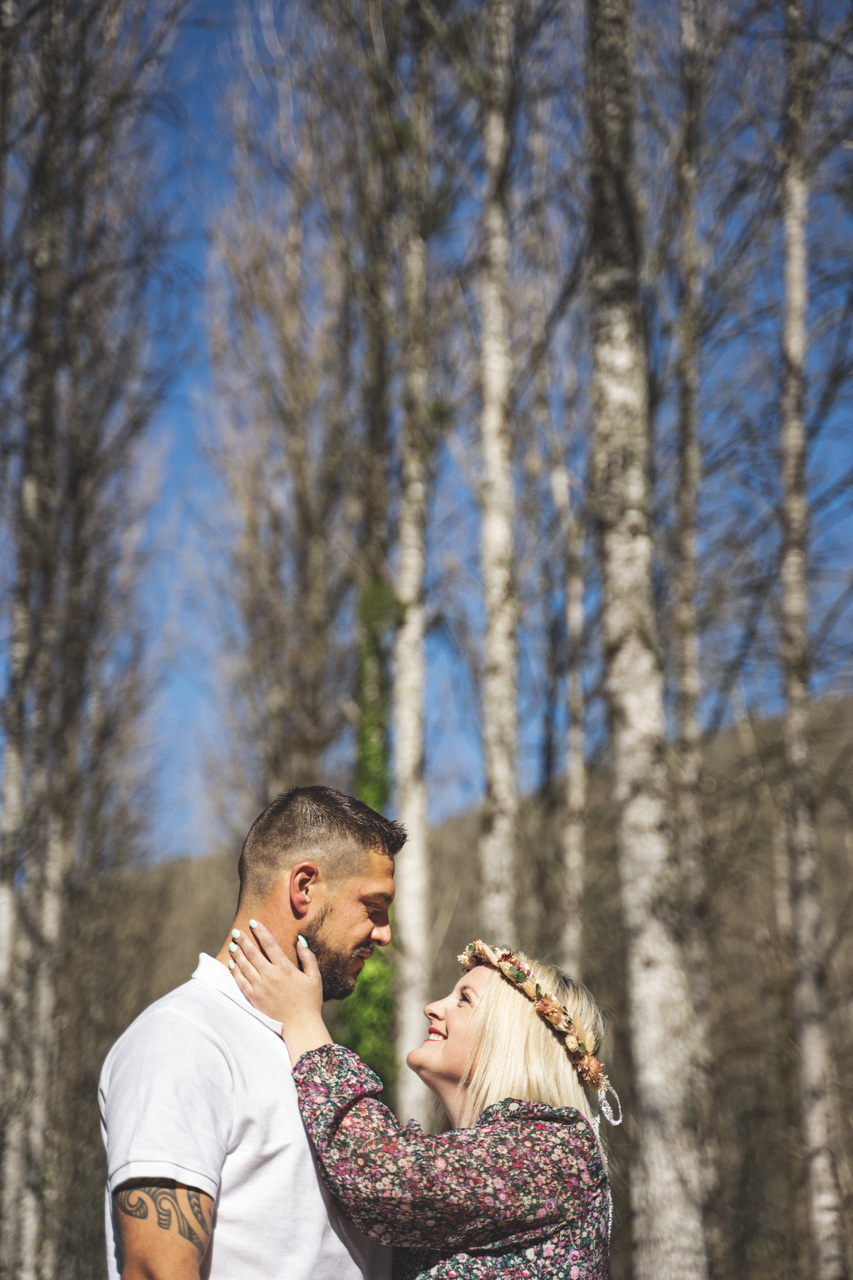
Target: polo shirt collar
216	975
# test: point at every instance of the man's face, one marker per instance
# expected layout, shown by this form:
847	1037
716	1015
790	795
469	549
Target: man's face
352	921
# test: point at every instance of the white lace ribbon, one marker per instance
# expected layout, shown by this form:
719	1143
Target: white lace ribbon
604	1104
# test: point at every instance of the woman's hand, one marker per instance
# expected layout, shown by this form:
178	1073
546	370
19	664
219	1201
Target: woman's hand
273	984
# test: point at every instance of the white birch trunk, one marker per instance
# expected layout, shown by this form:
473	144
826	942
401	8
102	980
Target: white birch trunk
412	902
500	727
10	826
666	1181
691	839
690	830
573	835
13	1175
36	1257
27	744
813	1054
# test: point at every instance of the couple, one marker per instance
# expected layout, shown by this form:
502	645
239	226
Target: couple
207	1097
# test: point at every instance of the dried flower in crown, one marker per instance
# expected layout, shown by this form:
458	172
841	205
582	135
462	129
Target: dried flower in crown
580	1044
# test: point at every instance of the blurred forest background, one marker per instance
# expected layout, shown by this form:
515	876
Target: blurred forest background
526	434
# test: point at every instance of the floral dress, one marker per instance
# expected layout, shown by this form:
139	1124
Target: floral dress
522	1194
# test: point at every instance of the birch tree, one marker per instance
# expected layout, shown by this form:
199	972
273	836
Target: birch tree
81	388
574	829
813	1057
690	831
499	709
547	413
666	1183
691	836
413	901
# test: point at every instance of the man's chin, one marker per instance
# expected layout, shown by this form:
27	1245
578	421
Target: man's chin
338	985
339	976
337	990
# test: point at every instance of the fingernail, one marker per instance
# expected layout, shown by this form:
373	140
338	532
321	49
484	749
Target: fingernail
235	933
253	924
301	941
232	946
231	964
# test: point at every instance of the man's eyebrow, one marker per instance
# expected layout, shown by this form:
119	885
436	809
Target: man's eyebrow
379	895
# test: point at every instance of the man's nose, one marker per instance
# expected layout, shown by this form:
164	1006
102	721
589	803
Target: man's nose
381	934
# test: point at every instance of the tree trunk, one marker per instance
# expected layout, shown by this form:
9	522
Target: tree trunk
666	1181
27	704
691	839
84	386
12	815
13	1175
499	711
573	835
813	1053
376	605
412	902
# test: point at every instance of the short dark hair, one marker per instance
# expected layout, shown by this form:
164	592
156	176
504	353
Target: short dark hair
335	828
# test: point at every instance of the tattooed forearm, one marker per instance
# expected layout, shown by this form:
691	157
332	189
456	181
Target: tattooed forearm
170	1201
194	1198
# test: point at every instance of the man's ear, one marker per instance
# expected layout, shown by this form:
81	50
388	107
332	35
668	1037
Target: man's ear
304	886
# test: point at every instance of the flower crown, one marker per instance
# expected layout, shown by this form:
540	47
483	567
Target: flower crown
580	1043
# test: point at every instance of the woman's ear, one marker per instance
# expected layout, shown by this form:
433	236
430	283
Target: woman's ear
303	885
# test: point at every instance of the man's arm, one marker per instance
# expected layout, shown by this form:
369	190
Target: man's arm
164	1228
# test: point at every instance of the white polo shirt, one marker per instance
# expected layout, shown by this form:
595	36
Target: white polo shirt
199	1089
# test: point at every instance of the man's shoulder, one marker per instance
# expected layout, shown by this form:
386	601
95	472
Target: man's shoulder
190	1016
190	1002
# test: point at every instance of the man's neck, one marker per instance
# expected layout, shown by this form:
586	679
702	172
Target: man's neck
284	930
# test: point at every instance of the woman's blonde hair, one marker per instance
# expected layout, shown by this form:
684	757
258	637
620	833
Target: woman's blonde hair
515	1053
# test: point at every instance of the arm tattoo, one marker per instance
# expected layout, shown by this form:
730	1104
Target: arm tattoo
132	1200
194	1198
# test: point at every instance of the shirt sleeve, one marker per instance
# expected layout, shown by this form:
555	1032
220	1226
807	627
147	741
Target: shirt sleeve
166	1103
503	1183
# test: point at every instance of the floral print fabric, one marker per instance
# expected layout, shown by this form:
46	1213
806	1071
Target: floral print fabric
522	1194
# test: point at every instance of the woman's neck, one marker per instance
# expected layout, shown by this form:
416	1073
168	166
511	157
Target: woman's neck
454	1098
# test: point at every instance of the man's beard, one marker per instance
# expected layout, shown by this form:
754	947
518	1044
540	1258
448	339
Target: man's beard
334	965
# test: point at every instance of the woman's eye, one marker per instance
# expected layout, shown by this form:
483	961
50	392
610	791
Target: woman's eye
464	997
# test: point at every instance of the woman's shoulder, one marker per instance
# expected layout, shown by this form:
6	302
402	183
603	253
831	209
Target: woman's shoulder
520	1110
559	1128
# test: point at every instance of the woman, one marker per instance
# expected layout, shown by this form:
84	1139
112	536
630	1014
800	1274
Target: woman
518	1187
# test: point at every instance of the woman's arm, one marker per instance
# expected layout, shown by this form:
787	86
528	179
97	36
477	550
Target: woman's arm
512	1180
506	1182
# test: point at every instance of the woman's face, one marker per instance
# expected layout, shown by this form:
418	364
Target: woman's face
441	1060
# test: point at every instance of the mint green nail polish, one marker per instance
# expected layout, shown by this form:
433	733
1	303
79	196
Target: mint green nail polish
232	946
253	924
231	964
301	940
235	933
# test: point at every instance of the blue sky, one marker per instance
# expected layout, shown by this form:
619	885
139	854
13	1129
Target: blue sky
185	722
187	717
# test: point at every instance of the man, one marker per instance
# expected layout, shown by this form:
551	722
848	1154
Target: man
210	1175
